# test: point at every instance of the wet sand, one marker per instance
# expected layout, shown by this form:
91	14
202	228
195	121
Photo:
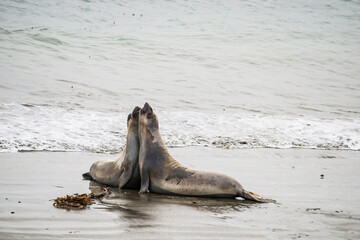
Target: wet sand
308	207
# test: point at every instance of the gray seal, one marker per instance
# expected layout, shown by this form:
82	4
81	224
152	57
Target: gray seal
123	172
161	173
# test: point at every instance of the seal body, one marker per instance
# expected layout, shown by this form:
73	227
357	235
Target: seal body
124	172
161	173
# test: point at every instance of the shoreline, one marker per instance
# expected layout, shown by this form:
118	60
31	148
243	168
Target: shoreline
194	146
308	206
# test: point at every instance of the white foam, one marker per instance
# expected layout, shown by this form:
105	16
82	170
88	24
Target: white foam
47	128
57	129
238	131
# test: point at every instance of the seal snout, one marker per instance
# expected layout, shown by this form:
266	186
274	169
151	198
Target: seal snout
135	112
146	109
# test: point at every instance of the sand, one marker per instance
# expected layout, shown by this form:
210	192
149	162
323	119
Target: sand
308	207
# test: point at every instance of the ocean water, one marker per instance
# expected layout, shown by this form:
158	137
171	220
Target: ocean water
226	74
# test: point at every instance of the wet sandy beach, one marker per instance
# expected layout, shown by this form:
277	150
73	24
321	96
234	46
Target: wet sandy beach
308	207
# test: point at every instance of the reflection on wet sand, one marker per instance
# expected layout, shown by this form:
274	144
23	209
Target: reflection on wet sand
321	213
144	210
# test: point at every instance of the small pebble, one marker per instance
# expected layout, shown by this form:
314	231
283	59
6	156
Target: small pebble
12	212
19	201
322	176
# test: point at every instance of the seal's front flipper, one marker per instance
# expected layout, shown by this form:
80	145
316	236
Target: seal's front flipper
125	177
145	182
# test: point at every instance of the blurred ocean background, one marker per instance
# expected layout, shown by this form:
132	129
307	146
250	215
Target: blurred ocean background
226	74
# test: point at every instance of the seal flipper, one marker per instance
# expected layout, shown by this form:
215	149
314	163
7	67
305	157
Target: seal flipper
145	183
125	177
255	197
87	176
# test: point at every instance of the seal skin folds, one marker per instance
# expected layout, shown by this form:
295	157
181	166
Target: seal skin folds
124	172
161	173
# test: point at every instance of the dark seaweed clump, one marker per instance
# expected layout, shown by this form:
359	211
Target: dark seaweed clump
77	201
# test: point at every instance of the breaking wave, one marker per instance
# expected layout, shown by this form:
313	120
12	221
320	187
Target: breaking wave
26	127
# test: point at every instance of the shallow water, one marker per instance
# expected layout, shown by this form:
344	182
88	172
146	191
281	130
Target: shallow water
234	74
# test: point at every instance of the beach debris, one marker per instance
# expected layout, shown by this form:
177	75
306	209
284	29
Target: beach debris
299	235
312	209
328	156
80	201
322	176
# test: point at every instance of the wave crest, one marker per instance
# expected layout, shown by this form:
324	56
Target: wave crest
29	127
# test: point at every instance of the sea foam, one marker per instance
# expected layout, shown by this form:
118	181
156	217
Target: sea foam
47	128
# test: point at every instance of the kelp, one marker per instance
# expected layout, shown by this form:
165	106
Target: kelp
80	201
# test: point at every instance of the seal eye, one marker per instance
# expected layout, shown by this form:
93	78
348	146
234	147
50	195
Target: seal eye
149	116
129	116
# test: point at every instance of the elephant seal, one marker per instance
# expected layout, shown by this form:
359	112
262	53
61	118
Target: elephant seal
161	173
124	172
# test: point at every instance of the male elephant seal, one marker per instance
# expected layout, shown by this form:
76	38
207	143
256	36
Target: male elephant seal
124	172
161	173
